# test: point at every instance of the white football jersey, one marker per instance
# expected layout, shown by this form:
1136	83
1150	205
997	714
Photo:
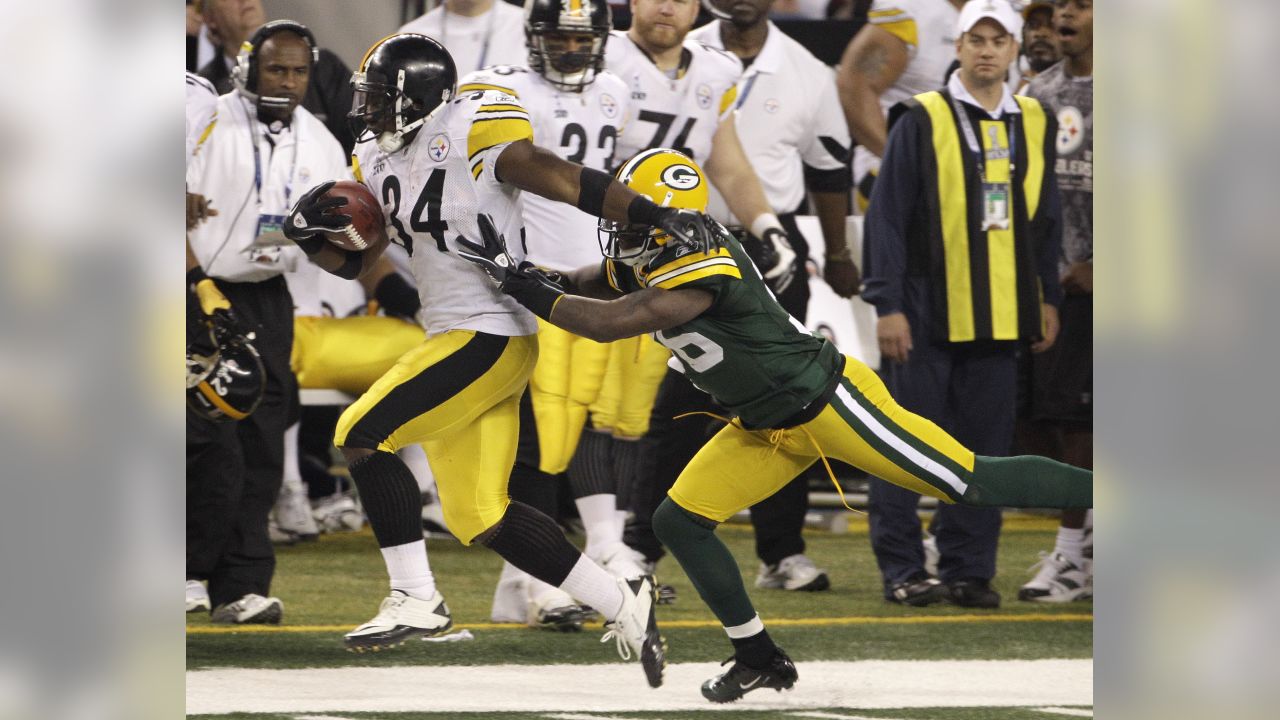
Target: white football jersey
202	112
928	27
681	113
583	127
431	192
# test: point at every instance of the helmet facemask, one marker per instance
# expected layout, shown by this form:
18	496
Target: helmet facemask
566	70
631	245
384	112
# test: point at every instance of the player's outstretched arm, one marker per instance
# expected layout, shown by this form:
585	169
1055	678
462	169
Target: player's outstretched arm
305	226
544	173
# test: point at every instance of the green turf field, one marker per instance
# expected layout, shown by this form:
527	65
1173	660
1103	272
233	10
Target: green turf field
334	584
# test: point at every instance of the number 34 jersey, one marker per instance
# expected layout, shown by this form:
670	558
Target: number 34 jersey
581	127
681	113
431	191
745	350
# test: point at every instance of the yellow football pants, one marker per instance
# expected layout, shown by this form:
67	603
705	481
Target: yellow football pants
349	354
566	381
862	425
458	393
631	380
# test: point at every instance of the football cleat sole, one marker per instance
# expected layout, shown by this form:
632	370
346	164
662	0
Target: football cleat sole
393	638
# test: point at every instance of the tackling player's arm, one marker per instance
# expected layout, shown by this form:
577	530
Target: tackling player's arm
871	64
641	312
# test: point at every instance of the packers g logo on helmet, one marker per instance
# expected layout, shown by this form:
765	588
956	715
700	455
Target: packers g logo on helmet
668	178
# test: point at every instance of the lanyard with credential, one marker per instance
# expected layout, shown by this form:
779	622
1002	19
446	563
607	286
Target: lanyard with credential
971	139
746	90
255	133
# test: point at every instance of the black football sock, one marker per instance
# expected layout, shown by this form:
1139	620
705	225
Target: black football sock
390	497
755	651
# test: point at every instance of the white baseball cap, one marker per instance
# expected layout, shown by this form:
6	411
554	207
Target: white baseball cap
999	10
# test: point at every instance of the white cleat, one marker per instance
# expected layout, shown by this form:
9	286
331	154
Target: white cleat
400	618
293	514
555	610
197	596
337	513
251	609
509	597
635	629
1059	580
795	572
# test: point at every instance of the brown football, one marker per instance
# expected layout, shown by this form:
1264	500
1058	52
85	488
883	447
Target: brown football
368	228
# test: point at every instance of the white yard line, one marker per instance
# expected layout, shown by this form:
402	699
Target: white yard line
1073	712
620	687
821	715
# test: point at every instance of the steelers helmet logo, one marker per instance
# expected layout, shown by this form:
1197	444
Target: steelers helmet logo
681	177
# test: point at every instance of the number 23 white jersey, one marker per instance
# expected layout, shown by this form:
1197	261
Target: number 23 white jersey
431	192
582	127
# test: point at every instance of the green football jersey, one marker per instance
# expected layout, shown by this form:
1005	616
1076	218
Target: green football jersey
745	350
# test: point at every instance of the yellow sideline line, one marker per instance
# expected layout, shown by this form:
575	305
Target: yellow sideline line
791	622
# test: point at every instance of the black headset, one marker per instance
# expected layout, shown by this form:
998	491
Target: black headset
245	75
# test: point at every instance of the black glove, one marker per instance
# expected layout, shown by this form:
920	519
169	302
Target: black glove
531	286
688	227
397	297
778	260
310	216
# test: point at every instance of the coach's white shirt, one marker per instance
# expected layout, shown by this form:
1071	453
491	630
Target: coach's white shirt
495	37
223	171
788	116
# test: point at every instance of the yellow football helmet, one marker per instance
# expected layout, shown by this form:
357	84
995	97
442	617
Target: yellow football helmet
668	178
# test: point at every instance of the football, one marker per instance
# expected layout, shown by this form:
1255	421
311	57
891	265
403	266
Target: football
368	227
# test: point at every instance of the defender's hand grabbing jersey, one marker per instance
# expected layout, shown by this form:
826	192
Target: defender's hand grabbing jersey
432	192
681	113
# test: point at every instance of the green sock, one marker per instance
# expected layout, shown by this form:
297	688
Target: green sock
1028	481
706	560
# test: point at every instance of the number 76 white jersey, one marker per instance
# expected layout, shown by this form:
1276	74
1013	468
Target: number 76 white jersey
431	192
582	127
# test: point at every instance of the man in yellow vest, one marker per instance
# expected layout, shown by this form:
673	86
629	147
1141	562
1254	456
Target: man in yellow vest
962	240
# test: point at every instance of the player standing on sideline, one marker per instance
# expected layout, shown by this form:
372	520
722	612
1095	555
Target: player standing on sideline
263	150
793	396
1062	377
435	161
577	110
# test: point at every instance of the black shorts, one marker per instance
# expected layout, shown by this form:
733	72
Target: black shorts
1061	380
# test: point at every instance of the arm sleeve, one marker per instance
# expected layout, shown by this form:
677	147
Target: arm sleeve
497	121
893	202
894	16
826	154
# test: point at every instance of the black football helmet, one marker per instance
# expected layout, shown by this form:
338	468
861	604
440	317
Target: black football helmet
566	70
225	377
401	83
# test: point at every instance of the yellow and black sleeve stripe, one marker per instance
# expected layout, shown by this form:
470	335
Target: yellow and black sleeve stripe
898	23
474	86
727	100
496	124
355	169
694	266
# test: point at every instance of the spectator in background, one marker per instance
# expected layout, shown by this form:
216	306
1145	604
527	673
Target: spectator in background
477	33
955	274
234	470
903	50
1039	40
1061	407
230	22
796	139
